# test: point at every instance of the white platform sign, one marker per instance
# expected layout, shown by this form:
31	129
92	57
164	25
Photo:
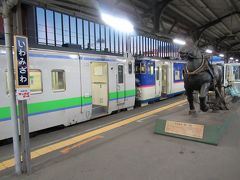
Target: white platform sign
22	94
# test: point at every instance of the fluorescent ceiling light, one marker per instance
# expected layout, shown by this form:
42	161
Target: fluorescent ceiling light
236	60
117	23
221	55
179	41
231	58
209	51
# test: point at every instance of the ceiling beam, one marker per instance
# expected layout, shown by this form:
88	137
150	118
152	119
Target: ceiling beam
198	31
158	9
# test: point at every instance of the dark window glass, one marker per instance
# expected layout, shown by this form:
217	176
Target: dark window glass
50	27
140	45
120	74
120	42
58	29
112	40
41	25
130	67
132	45
66	29
73	30
142	68
137	68
86	34
116	42
80	32
150	69
1	28
92	36
124	42
157	73
144	46
107	39
103	38
147	47
97	35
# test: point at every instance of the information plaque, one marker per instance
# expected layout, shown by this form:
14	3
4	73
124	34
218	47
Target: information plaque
184	129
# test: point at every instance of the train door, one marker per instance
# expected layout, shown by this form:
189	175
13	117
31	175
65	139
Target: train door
120	84
99	82
157	79
165	79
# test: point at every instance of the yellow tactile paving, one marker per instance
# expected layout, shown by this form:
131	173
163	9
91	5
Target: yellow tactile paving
42	151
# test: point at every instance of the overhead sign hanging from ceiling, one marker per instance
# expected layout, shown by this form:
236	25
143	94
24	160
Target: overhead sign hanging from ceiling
21	58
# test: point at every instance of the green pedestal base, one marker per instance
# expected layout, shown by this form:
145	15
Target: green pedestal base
212	133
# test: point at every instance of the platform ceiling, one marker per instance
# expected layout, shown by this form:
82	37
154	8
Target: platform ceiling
214	22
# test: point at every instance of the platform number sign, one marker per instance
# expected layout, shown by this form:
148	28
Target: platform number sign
21	59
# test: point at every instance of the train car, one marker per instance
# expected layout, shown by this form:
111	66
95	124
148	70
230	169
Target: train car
70	87
157	79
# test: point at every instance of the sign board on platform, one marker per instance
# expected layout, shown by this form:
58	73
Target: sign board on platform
21	62
184	129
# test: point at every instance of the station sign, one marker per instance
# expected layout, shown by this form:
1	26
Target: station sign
21	62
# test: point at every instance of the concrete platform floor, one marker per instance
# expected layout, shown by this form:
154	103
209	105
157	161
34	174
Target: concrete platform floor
134	152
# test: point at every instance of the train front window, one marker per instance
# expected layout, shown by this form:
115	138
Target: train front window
150	69
137	68
142	68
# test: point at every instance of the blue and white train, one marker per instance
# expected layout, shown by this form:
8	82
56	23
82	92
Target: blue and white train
157	79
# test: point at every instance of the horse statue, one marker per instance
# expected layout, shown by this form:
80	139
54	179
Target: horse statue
201	76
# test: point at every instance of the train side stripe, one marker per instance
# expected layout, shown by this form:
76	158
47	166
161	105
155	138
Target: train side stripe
62	104
121	94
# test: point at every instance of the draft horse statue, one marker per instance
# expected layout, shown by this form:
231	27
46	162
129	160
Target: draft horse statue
201	76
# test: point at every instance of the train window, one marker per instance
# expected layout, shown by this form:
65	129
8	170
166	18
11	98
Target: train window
144	46
116	42
140	45
120	74
66	29
103	38
107	39
124	42
58	28
97	36
50	28
1	28
35	81
41	25
120	42
132	46
130	67
177	76
137	68
92	36
86	34
58	80
7	87
142	68
157	73
80	32
112	41
73	31
150	69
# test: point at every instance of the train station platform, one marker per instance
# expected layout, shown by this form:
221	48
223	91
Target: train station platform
124	146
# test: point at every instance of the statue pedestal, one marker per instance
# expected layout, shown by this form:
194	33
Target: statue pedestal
203	127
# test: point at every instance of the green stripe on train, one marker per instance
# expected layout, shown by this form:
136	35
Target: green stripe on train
49	106
63	103
122	94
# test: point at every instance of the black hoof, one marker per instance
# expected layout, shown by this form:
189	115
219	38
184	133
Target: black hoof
204	109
